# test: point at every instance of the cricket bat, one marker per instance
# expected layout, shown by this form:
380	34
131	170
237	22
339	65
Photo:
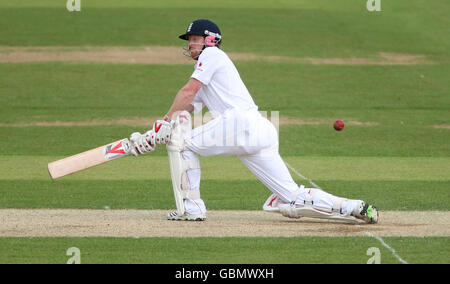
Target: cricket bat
89	158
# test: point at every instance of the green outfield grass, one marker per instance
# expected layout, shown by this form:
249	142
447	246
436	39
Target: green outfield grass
354	141
400	118
391	183
323	28
221	250
397	96
234	195
393	151
231	168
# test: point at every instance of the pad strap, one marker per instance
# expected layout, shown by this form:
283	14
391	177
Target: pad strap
296	193
337	205
191	194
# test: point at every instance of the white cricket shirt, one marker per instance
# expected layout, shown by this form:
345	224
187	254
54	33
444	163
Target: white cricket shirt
222	86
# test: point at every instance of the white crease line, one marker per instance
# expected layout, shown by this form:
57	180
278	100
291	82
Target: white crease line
366	232
302	176
386	246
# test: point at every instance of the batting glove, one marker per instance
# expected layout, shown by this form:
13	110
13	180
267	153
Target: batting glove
163	131
142	144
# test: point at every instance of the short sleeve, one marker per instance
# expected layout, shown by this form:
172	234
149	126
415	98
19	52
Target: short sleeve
206	66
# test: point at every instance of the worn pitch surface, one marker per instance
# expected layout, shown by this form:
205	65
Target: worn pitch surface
152	223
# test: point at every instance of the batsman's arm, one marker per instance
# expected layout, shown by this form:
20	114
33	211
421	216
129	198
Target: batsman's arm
190	108
184	97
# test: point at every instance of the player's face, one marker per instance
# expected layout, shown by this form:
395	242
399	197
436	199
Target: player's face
196	44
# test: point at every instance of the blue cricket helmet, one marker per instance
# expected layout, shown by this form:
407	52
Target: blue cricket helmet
202	27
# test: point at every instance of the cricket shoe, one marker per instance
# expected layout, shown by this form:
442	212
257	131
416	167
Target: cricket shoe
186	217
366	212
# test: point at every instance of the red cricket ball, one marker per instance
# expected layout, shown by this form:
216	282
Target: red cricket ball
338	125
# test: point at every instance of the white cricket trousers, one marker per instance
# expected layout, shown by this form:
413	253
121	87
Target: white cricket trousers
254	140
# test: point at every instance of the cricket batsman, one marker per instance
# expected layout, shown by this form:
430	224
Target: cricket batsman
237	129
